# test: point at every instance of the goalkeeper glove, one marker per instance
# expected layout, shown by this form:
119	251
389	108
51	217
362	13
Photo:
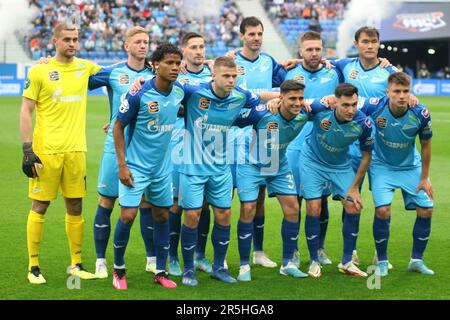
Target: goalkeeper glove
30	160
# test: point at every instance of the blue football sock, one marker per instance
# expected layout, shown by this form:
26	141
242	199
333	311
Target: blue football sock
174	229
245	235
289	234
121	237
312	232
147	228
162	243
350	231
421	234
102	230
203	230
324	216
188	243
220	237
381	236
258	233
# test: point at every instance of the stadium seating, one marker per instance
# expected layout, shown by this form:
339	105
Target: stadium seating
104	23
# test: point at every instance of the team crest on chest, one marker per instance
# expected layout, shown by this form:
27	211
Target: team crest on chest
326	124
204	103
272	126
240	70
300	79
124	79
53	75
381	122
353	74
153	106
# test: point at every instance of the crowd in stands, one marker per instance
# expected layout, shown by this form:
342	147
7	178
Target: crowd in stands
294	17
306	9
103	24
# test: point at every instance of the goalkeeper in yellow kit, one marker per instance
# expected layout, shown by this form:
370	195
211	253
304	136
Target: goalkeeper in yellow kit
55	157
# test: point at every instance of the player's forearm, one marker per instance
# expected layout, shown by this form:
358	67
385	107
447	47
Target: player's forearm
362	169
26	122
119	142
266	96
426	158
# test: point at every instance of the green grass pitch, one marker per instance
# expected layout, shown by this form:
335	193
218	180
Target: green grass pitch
267	284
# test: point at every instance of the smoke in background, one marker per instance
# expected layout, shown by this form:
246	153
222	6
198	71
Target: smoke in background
201	8
15	15
361	13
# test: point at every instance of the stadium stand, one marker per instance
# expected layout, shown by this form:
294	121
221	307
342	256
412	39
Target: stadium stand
294	17
104	23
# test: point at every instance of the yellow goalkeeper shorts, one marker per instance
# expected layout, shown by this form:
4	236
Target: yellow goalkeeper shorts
65	170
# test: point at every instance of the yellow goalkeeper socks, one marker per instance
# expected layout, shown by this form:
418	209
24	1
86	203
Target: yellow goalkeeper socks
74	231
35	230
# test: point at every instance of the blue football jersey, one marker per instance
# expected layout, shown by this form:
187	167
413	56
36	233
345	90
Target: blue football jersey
327	146
318	84
192	78
151	116
261	74
117	79
271	137
370	82
208	119
395	137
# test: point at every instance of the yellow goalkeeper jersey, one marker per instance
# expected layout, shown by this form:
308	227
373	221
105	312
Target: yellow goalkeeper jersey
60	92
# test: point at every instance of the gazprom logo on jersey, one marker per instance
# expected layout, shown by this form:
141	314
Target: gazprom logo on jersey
59	98
153	126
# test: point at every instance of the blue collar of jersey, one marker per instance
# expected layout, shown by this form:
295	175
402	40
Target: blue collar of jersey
311	71
212	90
252	61
362	67
153	85
198	72
282	117
138	71
390	111
342	122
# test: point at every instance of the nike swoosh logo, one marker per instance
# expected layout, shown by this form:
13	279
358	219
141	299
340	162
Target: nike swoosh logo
150	228
354	234
224	243
245	236
423	239
101	225
380	241
259	227
312	237
79	73
174	233
189	248
118	247
166	248
296	238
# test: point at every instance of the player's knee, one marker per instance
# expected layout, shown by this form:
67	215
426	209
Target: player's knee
222	216
248	212
107	203
291	216
191	218
383	212
40	206
160	214
313	208
424	212
128	216
74	206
